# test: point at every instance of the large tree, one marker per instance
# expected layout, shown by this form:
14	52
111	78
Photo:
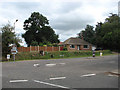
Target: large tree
108	33
38	30
88	34
8	37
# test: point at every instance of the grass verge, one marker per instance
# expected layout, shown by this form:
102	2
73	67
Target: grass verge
56	55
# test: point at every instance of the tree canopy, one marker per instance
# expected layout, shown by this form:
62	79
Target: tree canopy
87	34
8	37
108	33
38	30
105	35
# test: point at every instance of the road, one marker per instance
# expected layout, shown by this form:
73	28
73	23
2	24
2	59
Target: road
86	72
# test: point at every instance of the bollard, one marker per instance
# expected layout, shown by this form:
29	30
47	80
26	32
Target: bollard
100	53
93	53
8	57
42	53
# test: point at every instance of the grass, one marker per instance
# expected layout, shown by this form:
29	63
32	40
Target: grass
56	55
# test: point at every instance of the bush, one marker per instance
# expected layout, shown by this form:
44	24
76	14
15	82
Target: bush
40	44
106	52
65	48
34	43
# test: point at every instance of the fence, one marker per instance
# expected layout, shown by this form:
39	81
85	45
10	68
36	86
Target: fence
39	48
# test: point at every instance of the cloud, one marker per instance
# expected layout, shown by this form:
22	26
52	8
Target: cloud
75	19
66	17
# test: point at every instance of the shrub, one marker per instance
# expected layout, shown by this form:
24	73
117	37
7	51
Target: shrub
34	43
40	44
65	48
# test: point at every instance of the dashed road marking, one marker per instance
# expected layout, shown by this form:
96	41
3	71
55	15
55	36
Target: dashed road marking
50	65
12	81
36	65
55	85
87	75
57	78
62	63
53	64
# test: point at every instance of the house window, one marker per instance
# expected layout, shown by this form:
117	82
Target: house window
86	46
72	46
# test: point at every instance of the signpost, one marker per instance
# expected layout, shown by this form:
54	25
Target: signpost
14	51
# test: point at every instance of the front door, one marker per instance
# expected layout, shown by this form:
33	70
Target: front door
78	47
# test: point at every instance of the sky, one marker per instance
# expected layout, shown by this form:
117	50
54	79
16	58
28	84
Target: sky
66	17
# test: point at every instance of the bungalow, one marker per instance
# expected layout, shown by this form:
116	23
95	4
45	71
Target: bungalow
74	44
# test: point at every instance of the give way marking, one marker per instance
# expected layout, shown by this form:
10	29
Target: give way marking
55	85
87	75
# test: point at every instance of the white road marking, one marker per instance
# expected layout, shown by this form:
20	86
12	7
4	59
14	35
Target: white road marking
115	72
12	81
53	64
112	75
36	65
50	65
87	75
62	63
55	85
57	78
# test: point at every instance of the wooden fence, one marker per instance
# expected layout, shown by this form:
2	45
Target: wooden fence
39	48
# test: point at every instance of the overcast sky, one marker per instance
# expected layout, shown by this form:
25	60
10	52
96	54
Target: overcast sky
66	17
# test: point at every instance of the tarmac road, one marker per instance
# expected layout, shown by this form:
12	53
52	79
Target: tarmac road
86	72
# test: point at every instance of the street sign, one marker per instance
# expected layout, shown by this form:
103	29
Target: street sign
14	49
14	52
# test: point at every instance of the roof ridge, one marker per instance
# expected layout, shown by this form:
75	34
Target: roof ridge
75	40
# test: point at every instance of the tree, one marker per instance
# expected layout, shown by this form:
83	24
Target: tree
37	29
8	37
88	34
34	43
98	36
107	33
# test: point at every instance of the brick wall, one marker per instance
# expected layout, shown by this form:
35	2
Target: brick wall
82	47
76	49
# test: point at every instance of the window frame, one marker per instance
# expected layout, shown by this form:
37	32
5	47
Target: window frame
72	46
86	47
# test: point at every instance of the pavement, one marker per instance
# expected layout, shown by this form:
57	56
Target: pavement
74	73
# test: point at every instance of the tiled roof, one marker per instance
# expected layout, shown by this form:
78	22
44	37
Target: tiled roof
76	41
